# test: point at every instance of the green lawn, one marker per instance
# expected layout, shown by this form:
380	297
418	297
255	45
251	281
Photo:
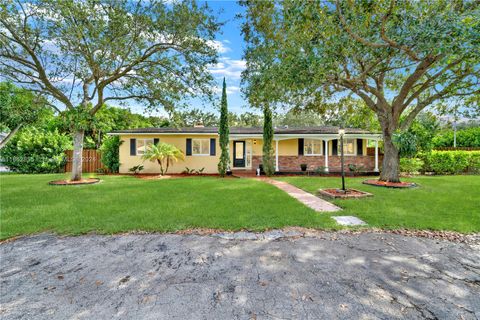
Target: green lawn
121	203
439	203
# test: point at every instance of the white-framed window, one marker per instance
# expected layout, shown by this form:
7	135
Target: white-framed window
348	147
201	147
312	147
142	145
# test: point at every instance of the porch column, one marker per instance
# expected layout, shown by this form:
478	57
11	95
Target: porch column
326	155
276	155
376	156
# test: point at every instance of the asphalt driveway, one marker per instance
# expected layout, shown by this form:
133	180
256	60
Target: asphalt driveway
326	275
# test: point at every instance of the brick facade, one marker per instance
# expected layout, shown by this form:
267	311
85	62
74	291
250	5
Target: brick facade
292	163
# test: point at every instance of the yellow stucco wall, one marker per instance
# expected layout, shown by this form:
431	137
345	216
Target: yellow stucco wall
193	162
286	148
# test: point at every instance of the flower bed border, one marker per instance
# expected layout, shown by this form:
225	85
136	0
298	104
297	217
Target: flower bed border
326	193
399	185
74	183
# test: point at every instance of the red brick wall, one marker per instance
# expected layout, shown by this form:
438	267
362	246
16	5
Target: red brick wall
292	163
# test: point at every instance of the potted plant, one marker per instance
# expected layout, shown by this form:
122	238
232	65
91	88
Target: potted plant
303	166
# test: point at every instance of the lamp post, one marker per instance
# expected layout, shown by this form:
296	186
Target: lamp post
341	133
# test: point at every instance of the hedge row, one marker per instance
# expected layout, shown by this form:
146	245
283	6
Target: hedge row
468	137
451	162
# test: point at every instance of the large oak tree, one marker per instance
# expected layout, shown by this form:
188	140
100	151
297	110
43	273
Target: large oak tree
82	54
400	57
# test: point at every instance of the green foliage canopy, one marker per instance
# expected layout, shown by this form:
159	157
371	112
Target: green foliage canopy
18	107
398	57
35	150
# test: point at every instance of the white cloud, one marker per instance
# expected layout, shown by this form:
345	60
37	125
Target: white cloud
230	89
219	46
228	68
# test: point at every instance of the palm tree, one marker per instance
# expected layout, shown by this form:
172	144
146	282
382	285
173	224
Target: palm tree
164	154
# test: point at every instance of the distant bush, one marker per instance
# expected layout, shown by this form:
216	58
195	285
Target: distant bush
469	137
36	151
110	156
451	162
411	165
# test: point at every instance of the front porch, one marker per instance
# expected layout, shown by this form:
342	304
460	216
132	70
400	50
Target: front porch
320	153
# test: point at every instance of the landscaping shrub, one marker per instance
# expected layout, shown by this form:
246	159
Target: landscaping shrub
411	165
452	162
36	151
469	137
110	156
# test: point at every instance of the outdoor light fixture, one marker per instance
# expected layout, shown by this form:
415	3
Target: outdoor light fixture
341	133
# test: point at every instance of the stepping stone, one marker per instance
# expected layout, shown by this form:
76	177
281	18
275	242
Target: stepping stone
349	221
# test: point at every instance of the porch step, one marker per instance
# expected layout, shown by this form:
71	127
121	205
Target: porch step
304	197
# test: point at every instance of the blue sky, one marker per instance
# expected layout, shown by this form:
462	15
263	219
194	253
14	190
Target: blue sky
230	46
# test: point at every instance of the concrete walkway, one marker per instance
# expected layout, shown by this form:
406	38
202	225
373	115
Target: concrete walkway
304	197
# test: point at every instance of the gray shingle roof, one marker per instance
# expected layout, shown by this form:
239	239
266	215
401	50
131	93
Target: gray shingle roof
243	130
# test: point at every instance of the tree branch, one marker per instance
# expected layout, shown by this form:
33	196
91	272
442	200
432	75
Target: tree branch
10	135
39	68
428	83
420	71
392	43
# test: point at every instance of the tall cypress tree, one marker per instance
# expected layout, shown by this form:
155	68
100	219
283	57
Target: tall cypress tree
223	131
268	165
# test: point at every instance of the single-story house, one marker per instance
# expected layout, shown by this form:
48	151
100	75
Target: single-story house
318	147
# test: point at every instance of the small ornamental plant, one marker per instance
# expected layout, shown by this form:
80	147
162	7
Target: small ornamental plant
164	154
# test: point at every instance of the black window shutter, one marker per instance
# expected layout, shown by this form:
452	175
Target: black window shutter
156	141
360	147
212	146
300	147
133	147
189	147
334	147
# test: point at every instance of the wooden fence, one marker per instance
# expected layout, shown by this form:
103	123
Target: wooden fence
457	148
92	160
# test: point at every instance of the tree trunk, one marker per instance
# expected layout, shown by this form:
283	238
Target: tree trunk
390	169
168	163
161	166
77	155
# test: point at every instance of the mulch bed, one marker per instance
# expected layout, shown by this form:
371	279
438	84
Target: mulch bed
387	184
152	176
74	183
339	194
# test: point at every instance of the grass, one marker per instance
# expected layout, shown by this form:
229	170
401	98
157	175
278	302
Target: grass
439	203
122	203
